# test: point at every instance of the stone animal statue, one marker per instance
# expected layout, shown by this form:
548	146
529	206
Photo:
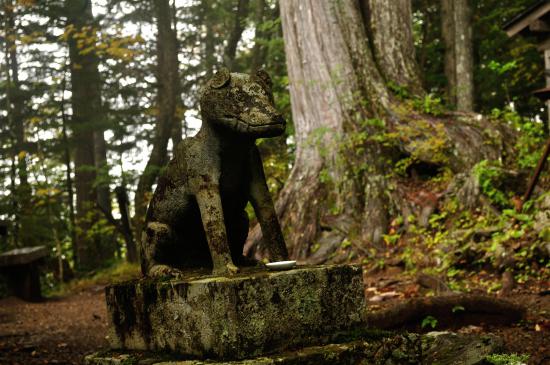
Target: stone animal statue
197	217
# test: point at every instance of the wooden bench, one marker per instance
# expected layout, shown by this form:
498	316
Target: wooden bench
21	269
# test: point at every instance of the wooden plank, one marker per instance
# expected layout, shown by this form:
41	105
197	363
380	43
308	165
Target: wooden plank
524	22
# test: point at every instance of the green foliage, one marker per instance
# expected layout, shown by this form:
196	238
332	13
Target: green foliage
488	176
507	359
429	104
458	309
531	136
429	321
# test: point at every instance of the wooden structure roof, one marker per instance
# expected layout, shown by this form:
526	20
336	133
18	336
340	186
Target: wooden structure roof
533	21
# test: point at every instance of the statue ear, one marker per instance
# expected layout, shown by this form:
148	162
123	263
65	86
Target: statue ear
221	78
265	79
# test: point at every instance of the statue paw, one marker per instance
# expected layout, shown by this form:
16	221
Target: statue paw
225	270
161	271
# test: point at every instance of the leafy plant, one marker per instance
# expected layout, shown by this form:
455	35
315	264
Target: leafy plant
429	321
429	104
488	175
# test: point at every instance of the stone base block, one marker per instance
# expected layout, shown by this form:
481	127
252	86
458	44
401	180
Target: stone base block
248	315
380	348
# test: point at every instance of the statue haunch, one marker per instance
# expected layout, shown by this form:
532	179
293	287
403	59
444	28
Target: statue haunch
197	216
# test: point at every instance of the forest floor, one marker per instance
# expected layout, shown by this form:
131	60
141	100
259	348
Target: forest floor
62	330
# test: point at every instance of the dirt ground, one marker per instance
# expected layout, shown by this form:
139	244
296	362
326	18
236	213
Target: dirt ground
63	330
56	331
530	336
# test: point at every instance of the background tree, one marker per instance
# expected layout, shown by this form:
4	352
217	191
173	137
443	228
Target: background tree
167	100
343	101
88	125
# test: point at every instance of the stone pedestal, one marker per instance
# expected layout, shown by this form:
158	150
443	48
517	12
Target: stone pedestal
248	315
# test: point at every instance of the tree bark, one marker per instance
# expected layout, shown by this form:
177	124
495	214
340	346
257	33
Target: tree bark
464	56
448	35
87	116
330	75
456	31
168	93
390	28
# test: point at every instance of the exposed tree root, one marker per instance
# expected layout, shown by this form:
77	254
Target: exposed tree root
450	311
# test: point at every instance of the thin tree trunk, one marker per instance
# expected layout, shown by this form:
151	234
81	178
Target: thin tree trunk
456	31
258	51
68	168
49	215
448	35
235	36
178	128
125	226
13	166
167	96
102	168
209	40
464	56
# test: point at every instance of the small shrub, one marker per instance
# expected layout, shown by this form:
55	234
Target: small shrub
507	359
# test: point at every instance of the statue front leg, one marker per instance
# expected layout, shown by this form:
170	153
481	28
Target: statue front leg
210	205
265	211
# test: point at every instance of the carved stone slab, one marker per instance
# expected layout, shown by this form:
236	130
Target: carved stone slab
250	314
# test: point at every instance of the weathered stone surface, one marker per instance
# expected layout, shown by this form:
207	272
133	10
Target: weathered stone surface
383	348
247	315
394	349
449	348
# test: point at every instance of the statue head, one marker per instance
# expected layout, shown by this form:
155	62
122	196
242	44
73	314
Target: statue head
241	103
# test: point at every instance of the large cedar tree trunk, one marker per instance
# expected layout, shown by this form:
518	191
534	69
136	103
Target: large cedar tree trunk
341	186
167	99
87	117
